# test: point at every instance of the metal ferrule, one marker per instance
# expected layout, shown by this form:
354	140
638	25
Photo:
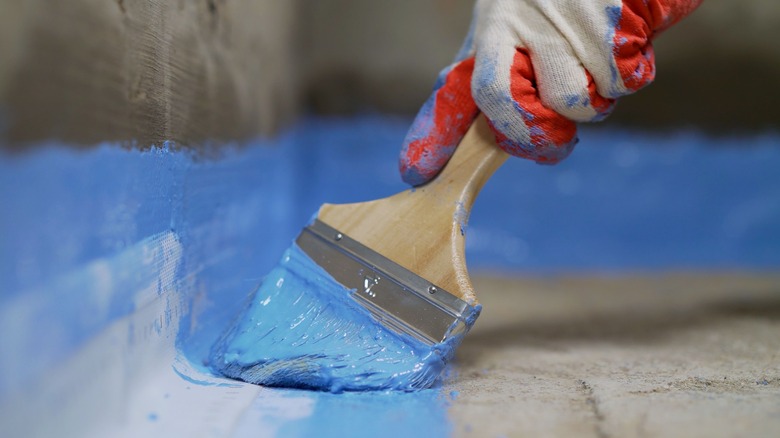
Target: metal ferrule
397	297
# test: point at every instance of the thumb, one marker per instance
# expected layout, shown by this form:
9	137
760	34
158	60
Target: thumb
440	125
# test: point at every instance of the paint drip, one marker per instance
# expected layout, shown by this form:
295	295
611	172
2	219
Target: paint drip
302	329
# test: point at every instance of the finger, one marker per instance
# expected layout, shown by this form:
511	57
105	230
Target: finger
612	45
439	126
661	14
639	21
504	88
633	51
564	85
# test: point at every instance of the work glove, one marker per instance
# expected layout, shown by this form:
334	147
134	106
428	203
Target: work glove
535	68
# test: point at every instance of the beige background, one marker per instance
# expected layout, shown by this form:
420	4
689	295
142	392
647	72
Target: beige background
206	71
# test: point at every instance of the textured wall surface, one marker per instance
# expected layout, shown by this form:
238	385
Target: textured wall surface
716	68
213	70
144	72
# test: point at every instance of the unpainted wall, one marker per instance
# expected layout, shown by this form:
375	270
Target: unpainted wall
211	71
143	72
717	69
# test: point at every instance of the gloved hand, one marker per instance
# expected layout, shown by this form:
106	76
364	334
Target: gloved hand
534	68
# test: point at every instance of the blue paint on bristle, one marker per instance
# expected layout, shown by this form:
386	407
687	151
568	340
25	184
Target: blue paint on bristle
302	329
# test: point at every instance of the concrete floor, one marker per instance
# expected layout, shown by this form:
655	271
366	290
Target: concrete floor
672	355
642	356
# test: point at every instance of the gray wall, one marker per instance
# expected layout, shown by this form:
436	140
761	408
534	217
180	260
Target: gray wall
141	72
205	71
719	69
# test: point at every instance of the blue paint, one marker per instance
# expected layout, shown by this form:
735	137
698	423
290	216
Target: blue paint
152	416
573	100
614	13
71	219
640	70
423	124
85	233
527	115
461	217
302	329
485	78
696	202
642	202
294	413
376	414
42	324
613	16
199	382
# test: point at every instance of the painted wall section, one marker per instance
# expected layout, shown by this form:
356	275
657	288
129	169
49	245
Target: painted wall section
115	263
104	253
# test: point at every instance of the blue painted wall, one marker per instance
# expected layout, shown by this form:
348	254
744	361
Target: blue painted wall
82	231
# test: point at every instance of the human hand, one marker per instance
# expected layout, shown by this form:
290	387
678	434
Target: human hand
535	68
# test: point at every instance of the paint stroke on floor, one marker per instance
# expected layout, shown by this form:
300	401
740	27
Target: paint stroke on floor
116	264
303	329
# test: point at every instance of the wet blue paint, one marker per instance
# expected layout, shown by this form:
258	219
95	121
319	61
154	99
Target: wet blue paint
414	177
376	414
625	201
461	217
302	329
199	382
86	233
640	202
306	176
297	413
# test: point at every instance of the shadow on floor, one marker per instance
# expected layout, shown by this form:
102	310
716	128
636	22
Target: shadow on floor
629	325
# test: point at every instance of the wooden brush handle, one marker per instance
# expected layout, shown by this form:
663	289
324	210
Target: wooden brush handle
474	162
423	229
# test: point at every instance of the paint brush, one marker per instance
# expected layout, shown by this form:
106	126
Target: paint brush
372	295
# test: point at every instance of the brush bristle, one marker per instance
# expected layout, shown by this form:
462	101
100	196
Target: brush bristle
302	329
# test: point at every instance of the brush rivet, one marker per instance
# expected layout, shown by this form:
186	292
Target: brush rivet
432	289
339	236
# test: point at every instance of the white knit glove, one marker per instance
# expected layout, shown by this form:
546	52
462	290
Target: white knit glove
534	68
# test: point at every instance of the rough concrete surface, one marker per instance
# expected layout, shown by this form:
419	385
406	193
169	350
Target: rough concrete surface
673	355
213	71
145	72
